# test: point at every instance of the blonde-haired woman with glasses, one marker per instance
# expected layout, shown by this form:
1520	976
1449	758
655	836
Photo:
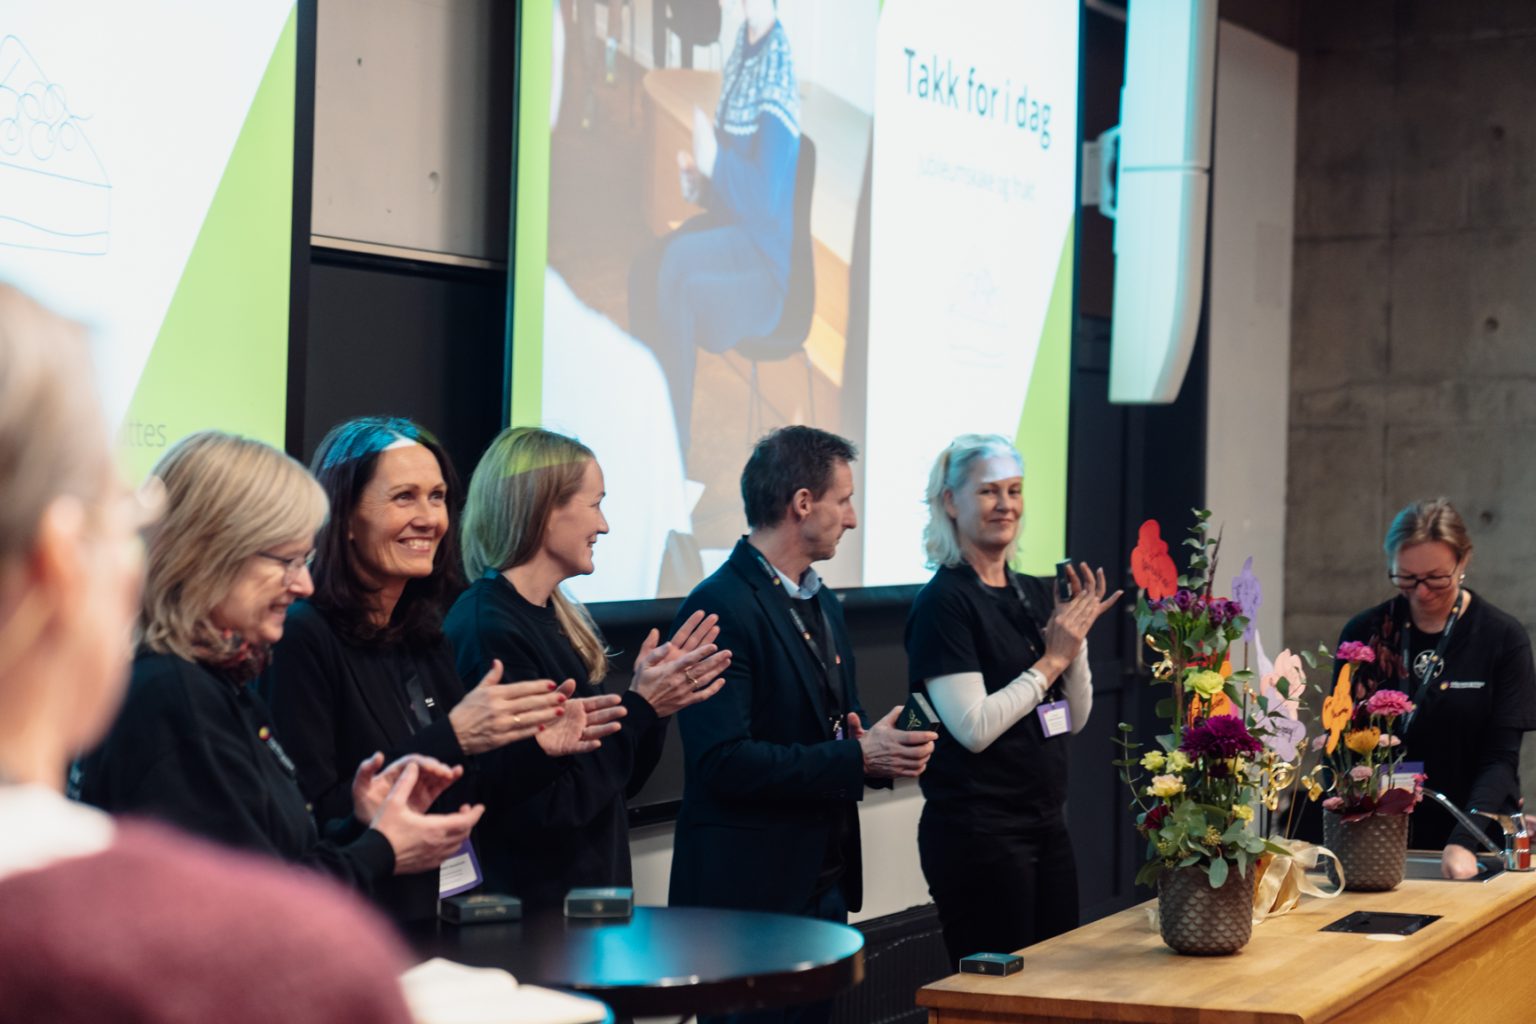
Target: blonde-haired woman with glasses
533	515
1005	665
123	920
1465	664
194	744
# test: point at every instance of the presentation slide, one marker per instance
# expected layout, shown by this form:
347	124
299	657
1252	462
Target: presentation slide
146	189
734	216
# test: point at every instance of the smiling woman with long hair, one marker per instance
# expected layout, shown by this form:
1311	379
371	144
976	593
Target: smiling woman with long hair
363	664
533	516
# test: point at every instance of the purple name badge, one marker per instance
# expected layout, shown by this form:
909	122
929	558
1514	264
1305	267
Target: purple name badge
1055	718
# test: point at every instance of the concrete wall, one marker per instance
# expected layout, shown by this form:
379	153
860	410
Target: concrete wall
1413	366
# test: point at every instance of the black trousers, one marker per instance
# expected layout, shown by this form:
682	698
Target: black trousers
998	892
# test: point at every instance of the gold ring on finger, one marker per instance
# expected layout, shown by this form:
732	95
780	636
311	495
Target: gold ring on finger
517	719
690	677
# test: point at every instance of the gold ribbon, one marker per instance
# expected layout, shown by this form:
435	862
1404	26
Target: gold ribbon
1285	879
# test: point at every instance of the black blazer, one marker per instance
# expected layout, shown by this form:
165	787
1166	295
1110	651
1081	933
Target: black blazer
766	785
334	704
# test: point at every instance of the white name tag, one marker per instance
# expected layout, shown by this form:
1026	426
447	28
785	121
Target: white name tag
1403	778
459	872
1466	684
1055	718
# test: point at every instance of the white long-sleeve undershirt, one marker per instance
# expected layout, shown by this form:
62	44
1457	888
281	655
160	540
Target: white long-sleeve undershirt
976	718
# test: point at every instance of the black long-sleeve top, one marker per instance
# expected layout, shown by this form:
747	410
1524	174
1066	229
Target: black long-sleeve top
198	751
564	822
1471	716
335	704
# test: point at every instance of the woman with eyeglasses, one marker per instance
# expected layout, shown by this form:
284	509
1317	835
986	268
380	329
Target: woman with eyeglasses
194	745
1465	664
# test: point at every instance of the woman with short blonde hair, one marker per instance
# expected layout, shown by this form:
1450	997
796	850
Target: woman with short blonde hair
227	499
194	744
531	520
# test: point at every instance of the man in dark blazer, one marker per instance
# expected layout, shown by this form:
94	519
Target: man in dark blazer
776	762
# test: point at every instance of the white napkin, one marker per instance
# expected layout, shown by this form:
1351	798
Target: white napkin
443	992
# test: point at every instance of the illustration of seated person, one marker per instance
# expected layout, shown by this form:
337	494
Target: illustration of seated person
604	387
721	277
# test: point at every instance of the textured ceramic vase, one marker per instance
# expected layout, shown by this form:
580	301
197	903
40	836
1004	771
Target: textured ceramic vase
1372	850
1197	920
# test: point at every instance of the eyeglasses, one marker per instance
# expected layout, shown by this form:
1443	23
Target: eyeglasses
291	566
1408	583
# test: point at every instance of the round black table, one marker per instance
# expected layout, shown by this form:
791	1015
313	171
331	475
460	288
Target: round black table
665	960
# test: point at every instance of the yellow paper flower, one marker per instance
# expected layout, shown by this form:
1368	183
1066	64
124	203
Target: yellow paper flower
1242	812
1337	707
1362	741
1153	760
1206	683
1165	786
1178	761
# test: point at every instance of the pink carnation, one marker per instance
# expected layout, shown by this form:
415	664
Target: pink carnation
1360	772
1388	703
1388	740
1355	652
1334	804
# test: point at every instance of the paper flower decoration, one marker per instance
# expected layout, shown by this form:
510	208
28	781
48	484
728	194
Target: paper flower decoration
1285	666
1247	592
1337	708
1151	565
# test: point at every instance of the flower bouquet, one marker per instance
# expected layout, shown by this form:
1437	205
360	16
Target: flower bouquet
1365	820
1213	766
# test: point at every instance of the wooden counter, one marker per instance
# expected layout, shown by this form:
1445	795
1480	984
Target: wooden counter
1468	966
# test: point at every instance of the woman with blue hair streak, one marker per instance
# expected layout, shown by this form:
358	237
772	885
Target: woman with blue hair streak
363	664
722	277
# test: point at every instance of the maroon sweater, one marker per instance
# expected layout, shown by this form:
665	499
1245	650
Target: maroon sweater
163	928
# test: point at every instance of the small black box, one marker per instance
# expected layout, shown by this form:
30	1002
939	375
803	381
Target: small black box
918	715
480	908
1000	964
616	902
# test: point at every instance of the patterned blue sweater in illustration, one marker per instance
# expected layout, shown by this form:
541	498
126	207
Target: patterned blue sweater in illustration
757	125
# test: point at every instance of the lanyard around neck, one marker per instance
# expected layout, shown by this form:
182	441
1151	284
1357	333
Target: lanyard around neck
830	672
1029	609
1433	664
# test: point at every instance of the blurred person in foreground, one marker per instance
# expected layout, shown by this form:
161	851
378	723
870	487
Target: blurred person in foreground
107	920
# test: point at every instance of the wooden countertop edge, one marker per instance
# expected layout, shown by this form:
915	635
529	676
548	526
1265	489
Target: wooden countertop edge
1437	940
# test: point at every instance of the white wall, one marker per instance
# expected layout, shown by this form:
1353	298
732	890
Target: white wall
1253	195
892	879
